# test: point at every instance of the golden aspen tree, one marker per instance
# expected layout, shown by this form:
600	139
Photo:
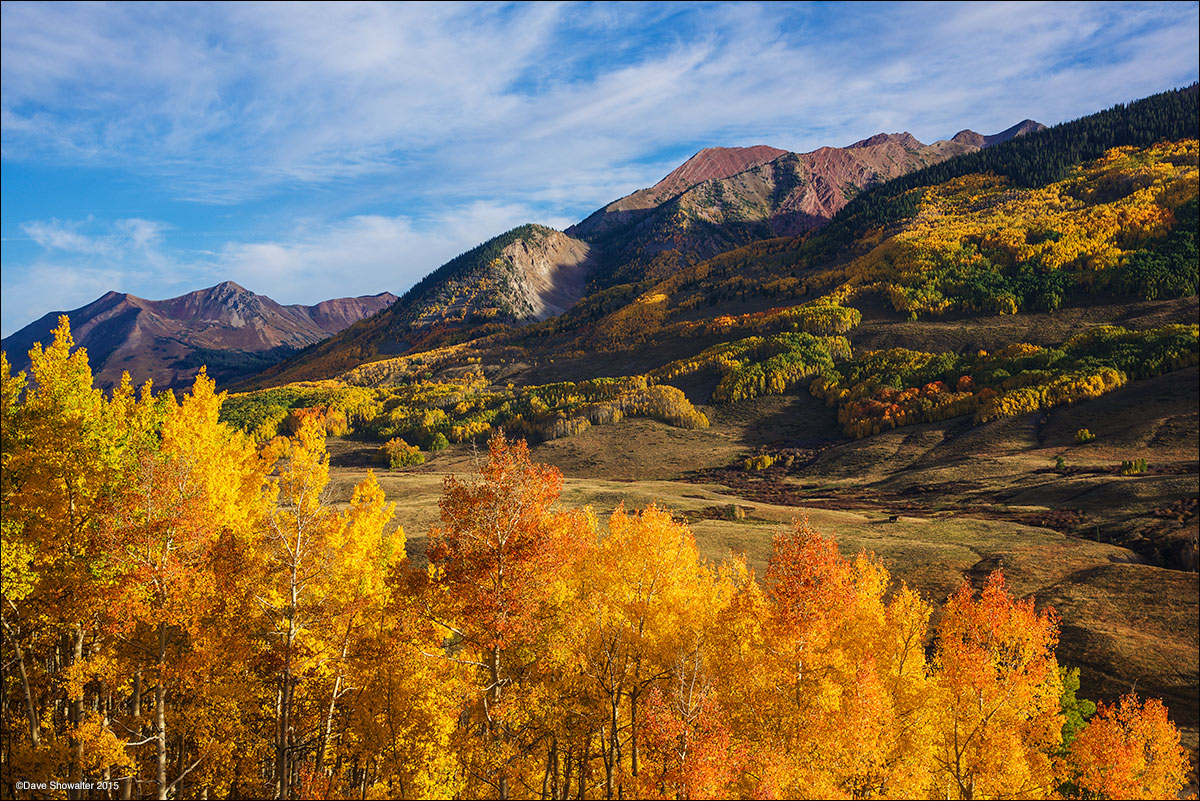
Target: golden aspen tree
311	607
647	601
63	455
198	484
395	736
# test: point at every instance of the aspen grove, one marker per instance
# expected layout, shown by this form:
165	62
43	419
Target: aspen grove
187	614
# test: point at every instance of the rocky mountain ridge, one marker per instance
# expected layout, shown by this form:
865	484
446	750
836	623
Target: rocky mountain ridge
738	195
719	199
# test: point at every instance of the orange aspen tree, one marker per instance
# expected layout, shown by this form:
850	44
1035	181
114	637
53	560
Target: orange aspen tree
823	682
998	718
689	744
495	562
1129	750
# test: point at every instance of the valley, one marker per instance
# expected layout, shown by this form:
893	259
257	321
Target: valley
1114	555
925	446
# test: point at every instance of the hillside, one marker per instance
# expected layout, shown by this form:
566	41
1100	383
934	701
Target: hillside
719	199
969	371
985	300
765	318
524	275
233	331
723	198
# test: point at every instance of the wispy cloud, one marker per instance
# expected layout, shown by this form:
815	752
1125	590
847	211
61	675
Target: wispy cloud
74	237
276	94
363	254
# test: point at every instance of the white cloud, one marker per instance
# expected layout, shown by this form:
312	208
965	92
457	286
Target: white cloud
231	100
56	235
363	254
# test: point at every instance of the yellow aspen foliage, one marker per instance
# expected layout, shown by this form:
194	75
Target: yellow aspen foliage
195	618
973	229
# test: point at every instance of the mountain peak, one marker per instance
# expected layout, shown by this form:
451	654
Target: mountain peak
969	137
1021	128
223	290
904	139
231	328
713	163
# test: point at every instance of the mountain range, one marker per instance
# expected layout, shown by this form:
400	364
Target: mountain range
719	199
232	330
975	355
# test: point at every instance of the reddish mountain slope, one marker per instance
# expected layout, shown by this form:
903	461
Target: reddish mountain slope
719	199
709	164
226	327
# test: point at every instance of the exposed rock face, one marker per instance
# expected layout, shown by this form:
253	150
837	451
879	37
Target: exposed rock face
709	164
527	274
232	330
550	274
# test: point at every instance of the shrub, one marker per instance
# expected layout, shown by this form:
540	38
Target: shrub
438	443
1083	435
760	462
398	453
1132	467
337	424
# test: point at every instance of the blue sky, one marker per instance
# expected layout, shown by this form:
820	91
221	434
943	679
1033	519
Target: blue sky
315	151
